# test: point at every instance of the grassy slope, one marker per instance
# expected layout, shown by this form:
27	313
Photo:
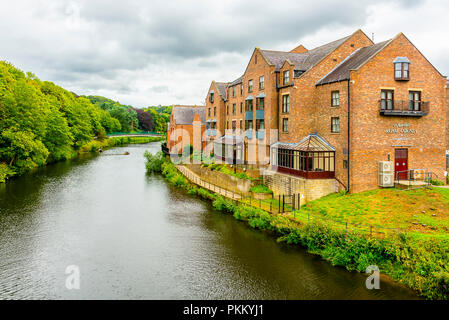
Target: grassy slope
406	210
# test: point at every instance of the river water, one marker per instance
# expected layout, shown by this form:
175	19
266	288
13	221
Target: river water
132	236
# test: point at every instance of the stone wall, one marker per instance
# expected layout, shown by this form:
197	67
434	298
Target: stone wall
310	189
222	180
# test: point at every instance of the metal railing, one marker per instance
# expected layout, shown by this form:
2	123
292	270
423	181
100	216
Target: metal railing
290	208
413	178
403	107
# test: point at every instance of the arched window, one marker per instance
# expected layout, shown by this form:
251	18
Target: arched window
401	68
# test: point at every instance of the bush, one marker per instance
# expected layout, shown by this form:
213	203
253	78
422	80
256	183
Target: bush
437	182
261	188
154	161
5	172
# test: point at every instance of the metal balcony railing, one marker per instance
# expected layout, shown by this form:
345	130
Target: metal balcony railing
403	108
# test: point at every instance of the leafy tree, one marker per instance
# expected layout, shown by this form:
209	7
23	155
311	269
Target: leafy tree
22	150
126	115
145	120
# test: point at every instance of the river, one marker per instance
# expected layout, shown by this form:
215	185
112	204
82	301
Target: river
132	236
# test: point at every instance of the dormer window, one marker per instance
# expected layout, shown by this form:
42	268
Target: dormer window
401	68
211	97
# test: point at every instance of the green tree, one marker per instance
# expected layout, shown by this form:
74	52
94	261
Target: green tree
22	150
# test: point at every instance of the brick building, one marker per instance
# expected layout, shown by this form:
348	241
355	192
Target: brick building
186	127
335	111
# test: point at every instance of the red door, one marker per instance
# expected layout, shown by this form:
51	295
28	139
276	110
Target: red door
401	164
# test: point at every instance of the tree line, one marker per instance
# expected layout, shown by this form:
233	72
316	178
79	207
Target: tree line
41	122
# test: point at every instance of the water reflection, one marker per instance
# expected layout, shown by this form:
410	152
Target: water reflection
135	237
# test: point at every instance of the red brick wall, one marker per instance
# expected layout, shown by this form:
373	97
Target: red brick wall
369	141
219	103
323	112
303	95
254	71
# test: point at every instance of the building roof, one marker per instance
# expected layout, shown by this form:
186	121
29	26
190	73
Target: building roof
353	61
236	81
221	86
185	114
302	61
229	139
313	142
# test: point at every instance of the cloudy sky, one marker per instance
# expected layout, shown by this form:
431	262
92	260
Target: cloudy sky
147	52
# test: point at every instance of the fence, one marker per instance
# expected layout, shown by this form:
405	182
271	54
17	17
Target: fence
278	205
133	133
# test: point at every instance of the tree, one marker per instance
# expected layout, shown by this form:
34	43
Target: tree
145	120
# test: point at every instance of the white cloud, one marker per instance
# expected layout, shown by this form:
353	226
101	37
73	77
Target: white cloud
152	52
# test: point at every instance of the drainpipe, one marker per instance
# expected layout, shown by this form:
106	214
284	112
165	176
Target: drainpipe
349	129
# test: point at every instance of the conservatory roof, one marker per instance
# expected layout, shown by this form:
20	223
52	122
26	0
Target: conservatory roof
229	139
313	142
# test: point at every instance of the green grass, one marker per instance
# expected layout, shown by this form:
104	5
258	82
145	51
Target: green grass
419	212
261	188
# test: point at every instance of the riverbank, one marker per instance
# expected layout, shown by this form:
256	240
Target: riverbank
418	263
8	172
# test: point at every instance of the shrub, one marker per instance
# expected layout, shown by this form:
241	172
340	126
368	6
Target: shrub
154	161
437	182
261	188
5	172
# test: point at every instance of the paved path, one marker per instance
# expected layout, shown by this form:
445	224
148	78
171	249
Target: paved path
192	176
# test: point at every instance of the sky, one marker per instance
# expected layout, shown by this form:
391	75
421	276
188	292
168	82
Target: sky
142	52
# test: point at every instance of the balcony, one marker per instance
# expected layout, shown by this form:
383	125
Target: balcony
211	132
403	108
249	133
260	134
249	115
260	114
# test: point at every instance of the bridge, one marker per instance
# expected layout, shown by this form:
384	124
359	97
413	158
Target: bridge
134	134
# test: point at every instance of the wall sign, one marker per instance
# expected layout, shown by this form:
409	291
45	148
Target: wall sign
401	128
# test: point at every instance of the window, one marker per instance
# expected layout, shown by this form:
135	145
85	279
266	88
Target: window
241	89
335	97
286	103
215	111
387	99
227	109
227	124
335	124
260	103
241	124
234	126
241	107
255	59
249	124
250	85
286	77
260	124
208	112
233	109
345	164
249	105
401	68
285	125
233	91
211	97
414	100
261	82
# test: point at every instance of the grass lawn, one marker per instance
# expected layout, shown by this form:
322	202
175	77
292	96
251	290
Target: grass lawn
420	212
